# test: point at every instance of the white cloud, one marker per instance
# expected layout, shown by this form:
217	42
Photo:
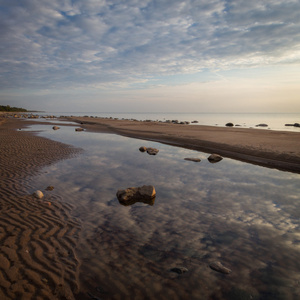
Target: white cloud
66	44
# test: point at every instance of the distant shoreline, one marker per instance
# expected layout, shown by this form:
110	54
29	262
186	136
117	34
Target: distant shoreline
268	148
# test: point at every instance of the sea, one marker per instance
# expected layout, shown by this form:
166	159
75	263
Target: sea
274	121
243	216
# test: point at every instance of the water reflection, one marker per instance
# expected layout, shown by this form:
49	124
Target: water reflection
245	216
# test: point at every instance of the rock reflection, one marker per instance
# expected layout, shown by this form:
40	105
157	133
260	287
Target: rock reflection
133	201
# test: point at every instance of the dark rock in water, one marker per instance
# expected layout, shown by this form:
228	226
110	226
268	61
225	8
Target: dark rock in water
79	129
50	188
262	125
143	149
179	270
193	159
217	266
145	194
295	125
194	122
152	151
55	127
229	124
213	158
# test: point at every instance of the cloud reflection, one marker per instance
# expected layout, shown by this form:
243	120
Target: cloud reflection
243	215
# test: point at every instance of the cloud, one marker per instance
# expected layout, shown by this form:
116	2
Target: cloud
88	43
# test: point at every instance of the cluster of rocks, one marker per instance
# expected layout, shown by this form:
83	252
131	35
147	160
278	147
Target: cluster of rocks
215	265
213	158
149	150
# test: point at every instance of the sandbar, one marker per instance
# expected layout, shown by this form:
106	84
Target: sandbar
264	147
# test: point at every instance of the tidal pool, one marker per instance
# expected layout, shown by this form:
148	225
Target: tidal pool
245	216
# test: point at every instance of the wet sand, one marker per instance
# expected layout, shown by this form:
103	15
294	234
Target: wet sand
273	149
38	237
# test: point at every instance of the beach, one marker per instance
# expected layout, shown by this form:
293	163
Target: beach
263	147
40	237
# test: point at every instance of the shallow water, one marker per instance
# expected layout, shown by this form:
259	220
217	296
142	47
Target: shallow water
245	216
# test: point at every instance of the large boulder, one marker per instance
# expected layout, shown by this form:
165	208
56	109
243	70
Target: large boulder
213	158
145	194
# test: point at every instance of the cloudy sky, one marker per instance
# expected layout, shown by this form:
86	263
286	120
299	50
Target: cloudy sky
151	55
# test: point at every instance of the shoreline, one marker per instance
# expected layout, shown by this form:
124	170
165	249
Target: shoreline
263	147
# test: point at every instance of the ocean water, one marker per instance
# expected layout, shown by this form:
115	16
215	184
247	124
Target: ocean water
245	216
274	121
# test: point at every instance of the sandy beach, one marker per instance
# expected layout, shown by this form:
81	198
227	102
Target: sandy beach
38	237
273	149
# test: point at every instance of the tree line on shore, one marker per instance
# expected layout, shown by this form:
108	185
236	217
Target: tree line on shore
11	108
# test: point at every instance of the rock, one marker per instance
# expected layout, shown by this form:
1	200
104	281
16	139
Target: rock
179	270
213	158
38	194
217	266
79	129
195	122
193	159
143	149
262	125
152	151
145	194
50	188
55	127
229	124
296	125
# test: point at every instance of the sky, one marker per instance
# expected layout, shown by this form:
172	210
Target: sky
150	55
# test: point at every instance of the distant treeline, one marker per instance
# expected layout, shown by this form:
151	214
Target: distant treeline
9	108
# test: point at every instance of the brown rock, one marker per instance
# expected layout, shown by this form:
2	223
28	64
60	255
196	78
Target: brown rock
213	158
193	159
152	151
217	266
145	194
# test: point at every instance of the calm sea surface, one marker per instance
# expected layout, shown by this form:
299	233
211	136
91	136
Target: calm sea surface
274	121
245	216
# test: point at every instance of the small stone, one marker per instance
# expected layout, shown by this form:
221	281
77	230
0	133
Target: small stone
143	149
38	194
229	124
152	151
179	270
262	125
79	129
55	127
217	266
50	188
213	158
193	159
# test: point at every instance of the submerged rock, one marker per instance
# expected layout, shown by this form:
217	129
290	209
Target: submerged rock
179	270
213	158
193	159
50	188
38	194
145	194
217	266
152	151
